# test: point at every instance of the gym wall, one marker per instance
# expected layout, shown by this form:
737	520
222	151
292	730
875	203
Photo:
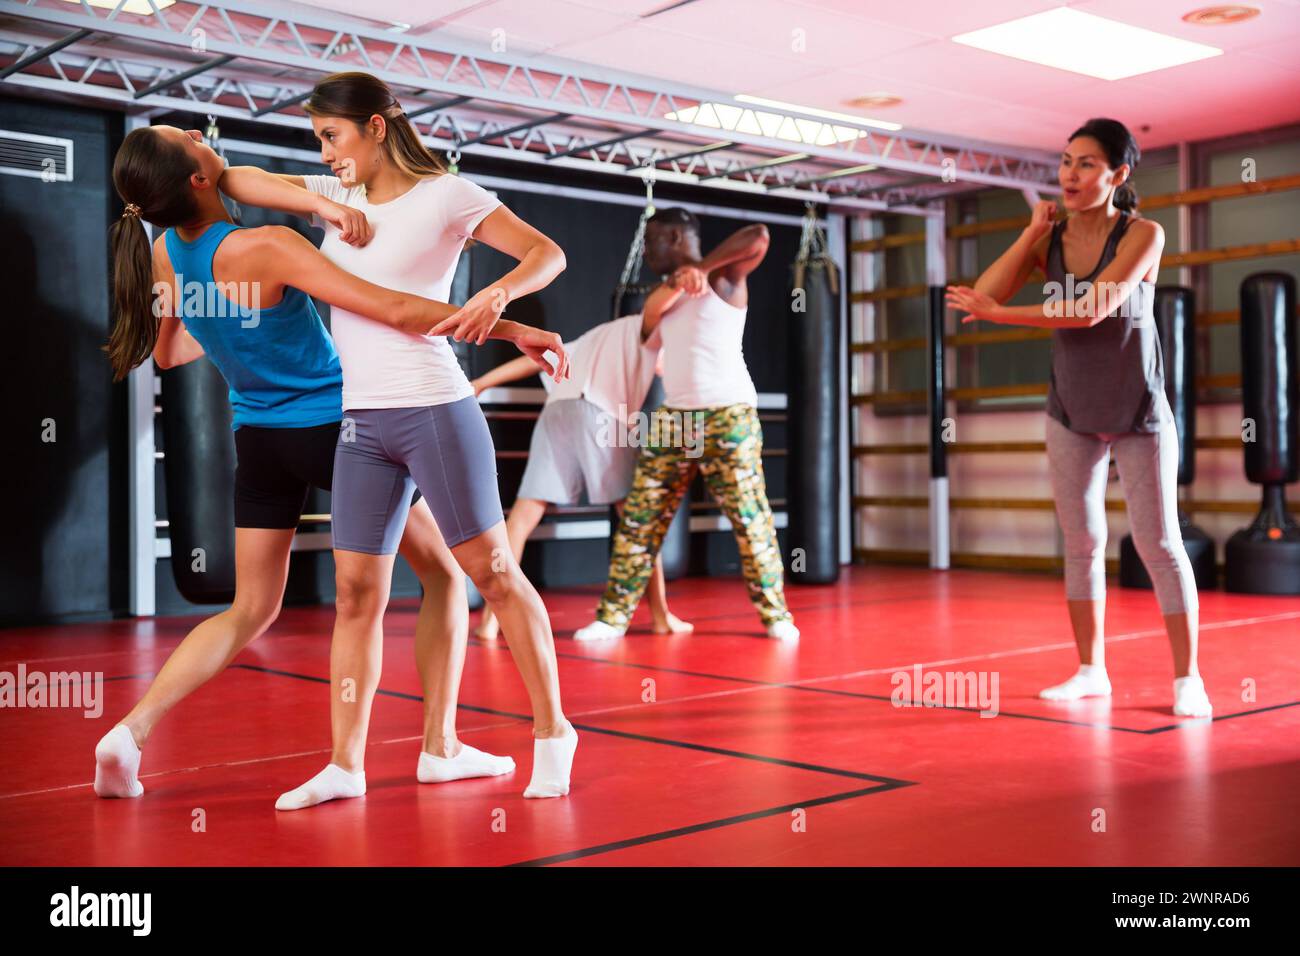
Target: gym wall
1220	476
64	481
69	526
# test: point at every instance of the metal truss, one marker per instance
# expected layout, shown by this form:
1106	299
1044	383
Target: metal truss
256	62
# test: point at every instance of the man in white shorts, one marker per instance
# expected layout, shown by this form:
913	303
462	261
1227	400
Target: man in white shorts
581	443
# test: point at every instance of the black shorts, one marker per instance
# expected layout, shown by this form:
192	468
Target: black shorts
275	470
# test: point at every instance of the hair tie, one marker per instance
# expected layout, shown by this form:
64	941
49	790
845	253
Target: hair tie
131	210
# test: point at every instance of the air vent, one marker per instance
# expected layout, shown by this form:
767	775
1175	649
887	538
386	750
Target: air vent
42	157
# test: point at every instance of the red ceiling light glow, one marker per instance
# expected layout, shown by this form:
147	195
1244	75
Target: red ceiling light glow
875	101
1218	16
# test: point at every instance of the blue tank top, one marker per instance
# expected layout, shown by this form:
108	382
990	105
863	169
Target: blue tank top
279	362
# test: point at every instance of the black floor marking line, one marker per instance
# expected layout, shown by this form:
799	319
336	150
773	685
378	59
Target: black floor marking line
777	685
748	680
627	735
378	690
710	825
1192	721
500	645
820	607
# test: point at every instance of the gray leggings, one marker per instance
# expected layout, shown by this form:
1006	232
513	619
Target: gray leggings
1148	471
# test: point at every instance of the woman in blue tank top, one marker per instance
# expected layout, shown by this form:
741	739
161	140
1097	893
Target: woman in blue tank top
1107	395
243	297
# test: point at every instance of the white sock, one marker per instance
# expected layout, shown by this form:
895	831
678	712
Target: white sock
783	630
552	761
1190	699
598	631
332	783
117	762
470	762
1089	681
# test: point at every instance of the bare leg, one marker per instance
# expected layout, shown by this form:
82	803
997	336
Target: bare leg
1088	619
261	568
1182	630
489	561
441	628
525	515
362	583
491	565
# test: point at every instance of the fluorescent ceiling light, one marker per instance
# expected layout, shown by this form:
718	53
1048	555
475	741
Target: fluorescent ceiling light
132	6
795	129
1069	39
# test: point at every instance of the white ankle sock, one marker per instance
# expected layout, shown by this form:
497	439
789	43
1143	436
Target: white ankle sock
1089	681
468	763
783	630
117	763
332	783
1190	699
552	761
598	631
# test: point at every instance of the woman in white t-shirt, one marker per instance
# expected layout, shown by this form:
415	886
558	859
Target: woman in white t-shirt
410	418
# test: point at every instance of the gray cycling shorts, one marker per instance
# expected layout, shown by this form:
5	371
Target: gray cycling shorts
384	454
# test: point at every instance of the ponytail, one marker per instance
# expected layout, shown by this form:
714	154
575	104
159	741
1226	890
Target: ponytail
1126	197
358	96
135	331
152	175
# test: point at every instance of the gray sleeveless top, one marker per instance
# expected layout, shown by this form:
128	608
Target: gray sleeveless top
1108	379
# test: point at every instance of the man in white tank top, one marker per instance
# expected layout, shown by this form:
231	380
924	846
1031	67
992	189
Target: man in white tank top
708	423
579	445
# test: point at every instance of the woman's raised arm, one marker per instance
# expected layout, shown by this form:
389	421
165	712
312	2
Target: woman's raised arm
252	186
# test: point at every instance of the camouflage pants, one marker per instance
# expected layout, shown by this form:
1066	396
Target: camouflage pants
725	445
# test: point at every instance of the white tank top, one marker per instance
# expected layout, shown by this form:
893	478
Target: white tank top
609	366
704	359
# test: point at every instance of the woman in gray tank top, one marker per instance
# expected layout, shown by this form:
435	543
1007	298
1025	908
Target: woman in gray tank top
1107	395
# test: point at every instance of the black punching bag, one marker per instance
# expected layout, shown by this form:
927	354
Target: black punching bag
1265	557
199	469
675	552
813	415
1174	310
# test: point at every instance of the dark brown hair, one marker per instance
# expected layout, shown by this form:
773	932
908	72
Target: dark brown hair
1120	148
150	174
357	97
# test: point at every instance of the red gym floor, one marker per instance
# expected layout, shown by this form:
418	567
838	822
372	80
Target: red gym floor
742	734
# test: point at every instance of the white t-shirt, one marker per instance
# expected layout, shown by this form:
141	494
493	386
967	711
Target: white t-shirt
417	243
609	366
704	359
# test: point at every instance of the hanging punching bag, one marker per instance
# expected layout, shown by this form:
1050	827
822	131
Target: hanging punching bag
813	414
676	549
1174	310
1265	557
199	476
